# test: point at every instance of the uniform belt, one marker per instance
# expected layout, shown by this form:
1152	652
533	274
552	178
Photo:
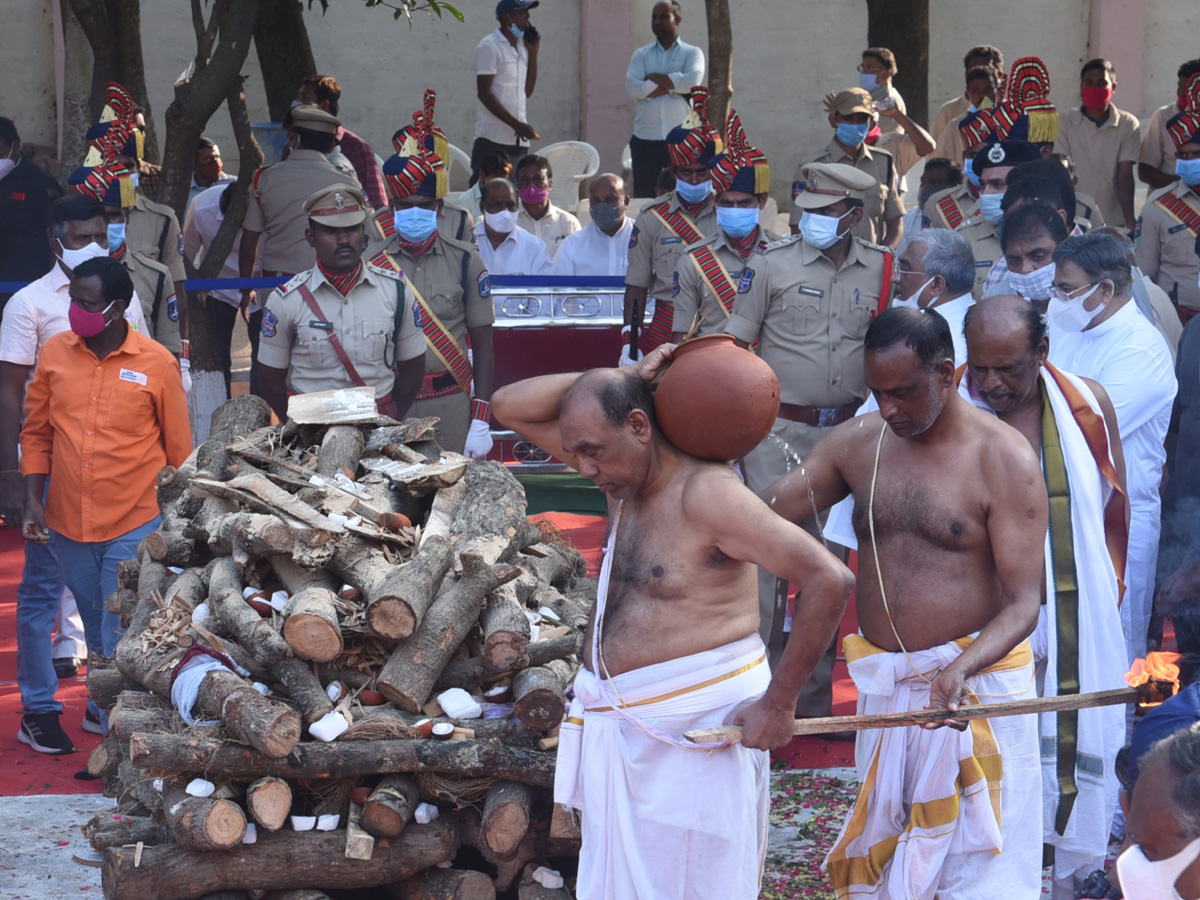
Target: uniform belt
441	384
821	416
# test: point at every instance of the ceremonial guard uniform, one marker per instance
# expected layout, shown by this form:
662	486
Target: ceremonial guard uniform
809	318
710	274
664	229
1170	219
449	285
338	331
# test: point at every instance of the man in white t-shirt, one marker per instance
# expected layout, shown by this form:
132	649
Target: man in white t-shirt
602	246
505	75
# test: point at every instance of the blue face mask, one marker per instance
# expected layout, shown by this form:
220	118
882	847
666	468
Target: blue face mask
969	171
415	224
867	81
516	32
116	236
737	223
693	193
852	135
989	207
1188	170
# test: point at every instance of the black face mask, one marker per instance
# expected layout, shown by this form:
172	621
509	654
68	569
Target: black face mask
606	215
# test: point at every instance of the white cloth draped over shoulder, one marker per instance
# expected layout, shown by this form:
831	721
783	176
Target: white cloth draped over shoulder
1099	661
662	818
941	813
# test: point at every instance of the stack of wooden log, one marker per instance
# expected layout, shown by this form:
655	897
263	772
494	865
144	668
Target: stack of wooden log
338	581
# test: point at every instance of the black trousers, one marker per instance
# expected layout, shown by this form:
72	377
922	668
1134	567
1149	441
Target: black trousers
482	147
649	158
224	317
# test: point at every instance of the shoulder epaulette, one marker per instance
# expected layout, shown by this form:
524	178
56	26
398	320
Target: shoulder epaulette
659	207
692	248
295	281
782	242
463	246
863	242
385	263
161	208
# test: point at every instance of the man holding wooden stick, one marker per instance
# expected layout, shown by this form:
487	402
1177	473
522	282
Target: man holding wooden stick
951	508
678	614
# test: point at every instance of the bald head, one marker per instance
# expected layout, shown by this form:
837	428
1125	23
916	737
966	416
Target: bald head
617	393
1004	314
497	191
1006	348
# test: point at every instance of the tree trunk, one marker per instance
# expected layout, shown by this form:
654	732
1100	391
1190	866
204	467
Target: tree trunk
903	27
310	625
284	52
203	823
444	884
269	800
390	806
506	815
399	600
720	62
284	861
505	629
177	754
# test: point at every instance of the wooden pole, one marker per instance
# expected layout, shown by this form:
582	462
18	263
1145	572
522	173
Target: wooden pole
926	716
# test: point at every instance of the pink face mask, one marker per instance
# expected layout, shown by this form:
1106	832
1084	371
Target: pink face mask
87	324
532	195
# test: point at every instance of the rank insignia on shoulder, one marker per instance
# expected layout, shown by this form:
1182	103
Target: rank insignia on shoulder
294	282
485	285
269	321
745	281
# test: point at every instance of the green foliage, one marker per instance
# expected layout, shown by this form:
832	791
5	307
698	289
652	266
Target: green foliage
405	8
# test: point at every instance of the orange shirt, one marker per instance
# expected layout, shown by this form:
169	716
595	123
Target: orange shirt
102	429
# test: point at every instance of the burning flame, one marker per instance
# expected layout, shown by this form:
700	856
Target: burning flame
1158	667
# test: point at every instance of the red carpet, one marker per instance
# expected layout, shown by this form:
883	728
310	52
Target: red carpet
22	771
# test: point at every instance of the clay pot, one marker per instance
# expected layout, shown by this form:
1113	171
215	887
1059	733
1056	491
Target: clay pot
359	795
716	401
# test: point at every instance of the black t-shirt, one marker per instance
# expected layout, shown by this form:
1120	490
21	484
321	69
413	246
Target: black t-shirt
26	195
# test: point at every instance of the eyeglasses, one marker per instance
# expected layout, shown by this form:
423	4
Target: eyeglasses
906	273
1058	293
873	68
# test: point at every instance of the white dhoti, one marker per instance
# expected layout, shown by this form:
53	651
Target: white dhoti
663	821
941	813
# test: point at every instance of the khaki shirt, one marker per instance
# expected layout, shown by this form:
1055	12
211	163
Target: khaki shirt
654	249
951	111
880	206
1167	252
1158	149
450	222
459	303
553	228
1098	151
900	145
152	230
691	292
154	287
364	321
949	143
810	318
985	245
277	208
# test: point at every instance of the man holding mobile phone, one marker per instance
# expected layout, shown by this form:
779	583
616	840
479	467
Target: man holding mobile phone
505	75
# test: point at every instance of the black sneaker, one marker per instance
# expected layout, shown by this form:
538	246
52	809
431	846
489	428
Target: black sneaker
42	732
91	722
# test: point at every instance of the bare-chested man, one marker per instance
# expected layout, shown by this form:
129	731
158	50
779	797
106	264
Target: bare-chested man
1078	645
950	515
677	632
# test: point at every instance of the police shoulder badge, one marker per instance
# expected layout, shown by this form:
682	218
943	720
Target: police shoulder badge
485	285
633	237
746	280
172	309
675	284
269	321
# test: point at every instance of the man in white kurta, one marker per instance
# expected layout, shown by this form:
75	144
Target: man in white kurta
1097	332
1078	644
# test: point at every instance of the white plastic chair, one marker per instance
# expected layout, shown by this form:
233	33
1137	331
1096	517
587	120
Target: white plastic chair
627	166
459	175
583	212
573	162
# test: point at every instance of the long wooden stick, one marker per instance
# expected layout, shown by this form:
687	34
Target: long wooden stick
926	716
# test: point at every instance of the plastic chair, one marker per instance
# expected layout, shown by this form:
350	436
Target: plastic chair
459	176
583	212
574	162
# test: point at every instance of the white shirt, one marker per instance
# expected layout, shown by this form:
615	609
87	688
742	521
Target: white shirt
592	252
954	311
552	228
1130	359
197	189
200	227
683	63
519	254
38	312
494	55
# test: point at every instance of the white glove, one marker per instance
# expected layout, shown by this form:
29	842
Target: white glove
185	371
624	359
479	440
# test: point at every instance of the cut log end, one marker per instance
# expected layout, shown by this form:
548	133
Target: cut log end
391	618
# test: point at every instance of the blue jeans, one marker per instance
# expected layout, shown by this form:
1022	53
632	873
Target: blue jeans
90	571
37	603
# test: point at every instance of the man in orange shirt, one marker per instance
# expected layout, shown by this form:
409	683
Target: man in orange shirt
105	411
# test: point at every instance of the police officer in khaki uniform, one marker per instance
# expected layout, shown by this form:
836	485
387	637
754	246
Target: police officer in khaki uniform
850	116
664	229
450	284
343	323
810	300
957	208
1170	221
710	274
155	290
276	214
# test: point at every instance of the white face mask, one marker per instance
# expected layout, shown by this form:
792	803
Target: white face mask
8	163
1142	879
1035	285
820	231
72	258
912	302
1070	315
503	221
